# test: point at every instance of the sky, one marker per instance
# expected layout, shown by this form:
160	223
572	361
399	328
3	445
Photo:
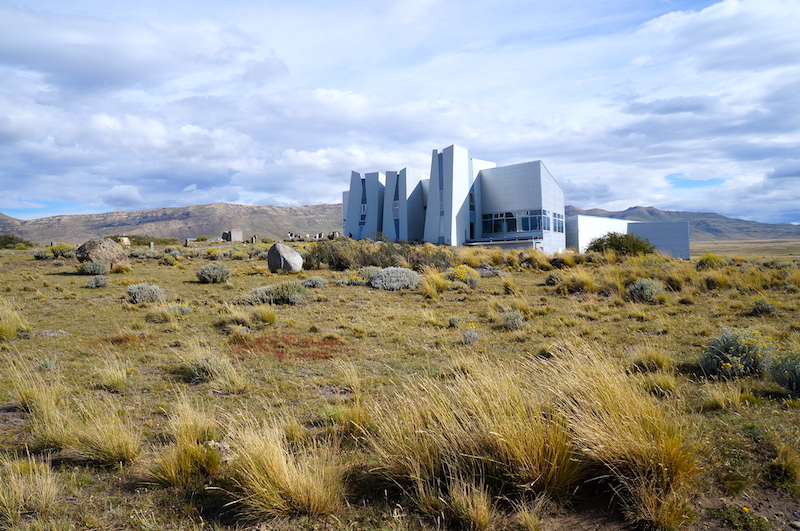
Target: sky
683	105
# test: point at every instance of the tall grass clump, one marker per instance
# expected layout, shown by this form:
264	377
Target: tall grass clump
764	306
144	292
645	290
11	322
213	273
275	479
395	278
290	292
785	370
105	434
486	426
737	352
200	364
194	456
28	487
432	283
639	443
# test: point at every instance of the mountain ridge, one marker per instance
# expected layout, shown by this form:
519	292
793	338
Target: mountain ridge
275	221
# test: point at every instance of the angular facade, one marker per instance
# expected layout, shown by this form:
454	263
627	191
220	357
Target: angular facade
670	238
464	201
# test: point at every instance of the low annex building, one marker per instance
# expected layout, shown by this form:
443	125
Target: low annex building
468	201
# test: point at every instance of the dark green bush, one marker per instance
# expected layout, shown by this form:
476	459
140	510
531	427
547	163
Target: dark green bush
623	244
9	241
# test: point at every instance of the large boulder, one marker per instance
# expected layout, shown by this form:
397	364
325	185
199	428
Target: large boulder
281	257
103	250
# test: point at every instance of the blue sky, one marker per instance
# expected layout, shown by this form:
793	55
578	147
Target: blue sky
681	105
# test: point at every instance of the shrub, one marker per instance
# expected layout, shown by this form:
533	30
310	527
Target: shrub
764	306
624	244
217	254
711	261
553	279
290	292
644	290
469	336
93	268
359	277
463	273
395	278
172	251
97	281
167	260
737	353
9	241
314	282
144	292
513	320
213	274
785	370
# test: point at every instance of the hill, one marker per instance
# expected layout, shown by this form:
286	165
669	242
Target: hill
703	226
180	222
275	221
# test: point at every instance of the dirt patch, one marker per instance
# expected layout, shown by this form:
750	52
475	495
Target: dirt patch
292	346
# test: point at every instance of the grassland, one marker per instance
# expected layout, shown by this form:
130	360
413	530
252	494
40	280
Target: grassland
541	398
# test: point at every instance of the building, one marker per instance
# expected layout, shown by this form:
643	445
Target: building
467	201
464	201
670	238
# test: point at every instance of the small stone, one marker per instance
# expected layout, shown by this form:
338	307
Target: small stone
795	525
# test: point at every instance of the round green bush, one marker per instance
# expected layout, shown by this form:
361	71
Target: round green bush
644	290
737	353
395	278
213	273
785	370
144	292
711	261
93	268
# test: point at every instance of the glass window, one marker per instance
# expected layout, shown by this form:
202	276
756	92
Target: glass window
499	225
487	226
511	225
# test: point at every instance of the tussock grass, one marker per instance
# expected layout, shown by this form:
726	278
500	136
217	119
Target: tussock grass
640	443
28	488
276	480
113	376
194	456
11	322
105	434
201	364
432	283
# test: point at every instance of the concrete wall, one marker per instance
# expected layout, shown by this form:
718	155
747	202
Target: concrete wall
365	205
403	218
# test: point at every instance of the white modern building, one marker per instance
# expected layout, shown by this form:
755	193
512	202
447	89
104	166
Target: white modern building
464	201
467	201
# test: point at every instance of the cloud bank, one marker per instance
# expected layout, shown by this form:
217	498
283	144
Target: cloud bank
684	105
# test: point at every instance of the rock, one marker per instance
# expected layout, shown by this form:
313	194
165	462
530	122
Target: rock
795	525
281	257
103	250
